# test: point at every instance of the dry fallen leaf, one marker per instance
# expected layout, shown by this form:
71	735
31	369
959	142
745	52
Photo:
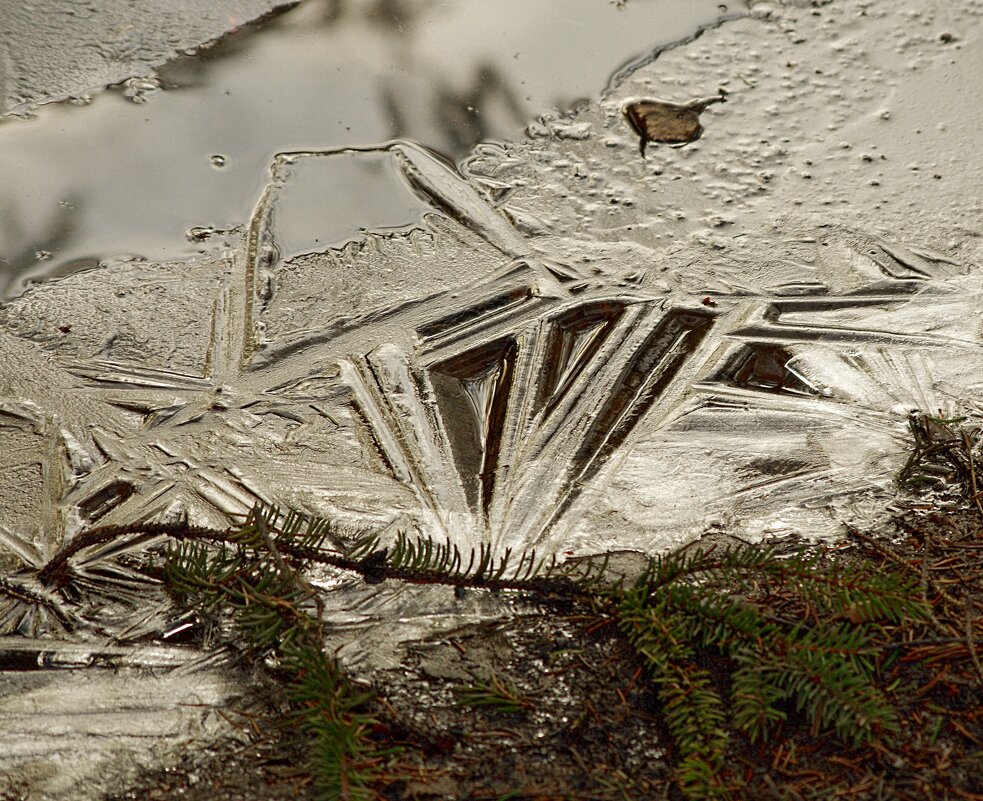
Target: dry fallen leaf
668	123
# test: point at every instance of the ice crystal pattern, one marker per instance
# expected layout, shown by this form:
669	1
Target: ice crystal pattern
455	376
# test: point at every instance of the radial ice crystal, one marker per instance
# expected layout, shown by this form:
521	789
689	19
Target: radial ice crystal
562	346
457	378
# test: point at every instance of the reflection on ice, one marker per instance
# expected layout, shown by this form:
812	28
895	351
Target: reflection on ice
529	354
325	73
323	200
459	377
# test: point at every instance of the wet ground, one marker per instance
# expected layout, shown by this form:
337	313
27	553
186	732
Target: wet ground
559	343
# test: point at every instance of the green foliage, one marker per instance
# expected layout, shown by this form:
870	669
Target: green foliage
330	710
276	613
426	554
424	559
732	638
247	576
496	692
794	632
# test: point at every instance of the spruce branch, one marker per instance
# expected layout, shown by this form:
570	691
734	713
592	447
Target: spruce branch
422	561
270	603
694	604
495	692
798	631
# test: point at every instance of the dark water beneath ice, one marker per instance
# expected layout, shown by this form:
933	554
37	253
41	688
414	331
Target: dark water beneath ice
118	178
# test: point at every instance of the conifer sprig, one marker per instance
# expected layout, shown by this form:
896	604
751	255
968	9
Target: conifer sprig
495	692
732	638
330	709
689	606
276	612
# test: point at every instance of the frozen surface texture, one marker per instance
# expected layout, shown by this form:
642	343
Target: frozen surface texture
570	347
54	49
76	723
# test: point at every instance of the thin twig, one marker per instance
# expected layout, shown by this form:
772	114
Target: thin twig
54	570
55	567
974	492
971	640
856	533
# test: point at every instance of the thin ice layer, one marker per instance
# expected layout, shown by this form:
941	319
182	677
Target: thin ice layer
573	347
53	49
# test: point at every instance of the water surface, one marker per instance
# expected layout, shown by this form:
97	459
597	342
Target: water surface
118	178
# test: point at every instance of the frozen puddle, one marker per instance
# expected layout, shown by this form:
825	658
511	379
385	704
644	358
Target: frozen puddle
202	129
461	379
560	345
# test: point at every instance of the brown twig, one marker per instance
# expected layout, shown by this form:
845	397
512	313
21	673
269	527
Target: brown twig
54	570
372	567
974	492
971	640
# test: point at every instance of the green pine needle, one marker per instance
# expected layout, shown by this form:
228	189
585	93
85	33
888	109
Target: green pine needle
787	632
717	601
496	692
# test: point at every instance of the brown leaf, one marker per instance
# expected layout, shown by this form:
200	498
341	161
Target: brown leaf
668	123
